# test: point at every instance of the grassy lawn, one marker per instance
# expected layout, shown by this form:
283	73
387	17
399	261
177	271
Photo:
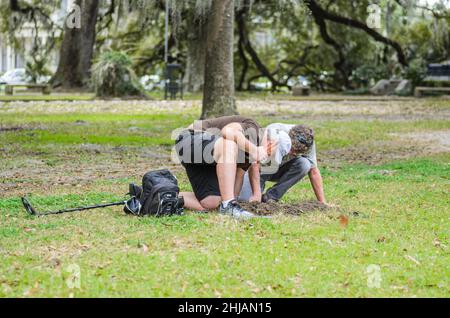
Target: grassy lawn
393	189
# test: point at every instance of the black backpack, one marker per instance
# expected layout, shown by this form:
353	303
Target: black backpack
159	195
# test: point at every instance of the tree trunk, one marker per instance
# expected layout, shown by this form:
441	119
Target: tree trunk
241	49
195	66
77	49
218	91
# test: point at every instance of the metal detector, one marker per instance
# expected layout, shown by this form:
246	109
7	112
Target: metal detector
132	206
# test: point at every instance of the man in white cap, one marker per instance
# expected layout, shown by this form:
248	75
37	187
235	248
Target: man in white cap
294	159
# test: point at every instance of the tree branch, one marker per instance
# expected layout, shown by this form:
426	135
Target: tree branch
245	42
321	23
326	15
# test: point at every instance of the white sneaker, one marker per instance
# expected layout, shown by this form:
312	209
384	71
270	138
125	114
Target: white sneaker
234	210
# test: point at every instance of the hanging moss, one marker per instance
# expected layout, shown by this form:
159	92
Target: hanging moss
113	76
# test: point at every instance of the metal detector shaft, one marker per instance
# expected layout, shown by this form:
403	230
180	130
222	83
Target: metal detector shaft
84	208
32	211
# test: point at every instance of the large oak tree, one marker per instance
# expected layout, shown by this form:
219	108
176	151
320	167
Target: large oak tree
77	48
219	91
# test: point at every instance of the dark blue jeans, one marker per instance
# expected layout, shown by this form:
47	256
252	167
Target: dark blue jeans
285	178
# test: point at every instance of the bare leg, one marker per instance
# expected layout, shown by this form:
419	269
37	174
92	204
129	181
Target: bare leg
211	203
191	202
239	181
225	154
208	203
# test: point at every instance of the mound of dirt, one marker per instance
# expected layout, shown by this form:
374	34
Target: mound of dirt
273	208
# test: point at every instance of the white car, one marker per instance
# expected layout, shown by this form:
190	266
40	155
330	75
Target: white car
299	81
15	76
151	82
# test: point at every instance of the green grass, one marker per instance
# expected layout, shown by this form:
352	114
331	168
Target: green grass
401	224
102	129
146	130
209	255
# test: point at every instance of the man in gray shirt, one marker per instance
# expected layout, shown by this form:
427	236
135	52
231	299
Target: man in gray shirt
298	153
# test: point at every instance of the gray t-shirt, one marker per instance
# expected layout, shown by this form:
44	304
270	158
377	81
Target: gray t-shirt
310	155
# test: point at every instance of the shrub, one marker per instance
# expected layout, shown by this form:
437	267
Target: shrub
366	76
36	69
416	72
113	76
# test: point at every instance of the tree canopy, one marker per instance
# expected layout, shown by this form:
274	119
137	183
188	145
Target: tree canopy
336	44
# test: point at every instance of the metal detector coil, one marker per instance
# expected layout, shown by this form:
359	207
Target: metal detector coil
31	211
28	207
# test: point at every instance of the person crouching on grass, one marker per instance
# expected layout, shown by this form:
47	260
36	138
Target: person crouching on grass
216	154
298	160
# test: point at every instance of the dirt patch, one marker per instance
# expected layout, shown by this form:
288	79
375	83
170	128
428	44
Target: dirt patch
346	110
99	106
276	208
340	107
433	141
374	153
404	146
78	169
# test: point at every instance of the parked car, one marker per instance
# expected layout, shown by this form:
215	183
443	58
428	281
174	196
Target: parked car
301	81
43	79
261	86
151	82
15	76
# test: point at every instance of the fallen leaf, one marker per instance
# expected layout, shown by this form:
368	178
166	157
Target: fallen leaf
32	291
343	221
404	288
412	259
438	243
55	262
250	283
84	247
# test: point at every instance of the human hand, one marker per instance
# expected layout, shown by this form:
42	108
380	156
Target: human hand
261	155
272	147
329	205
